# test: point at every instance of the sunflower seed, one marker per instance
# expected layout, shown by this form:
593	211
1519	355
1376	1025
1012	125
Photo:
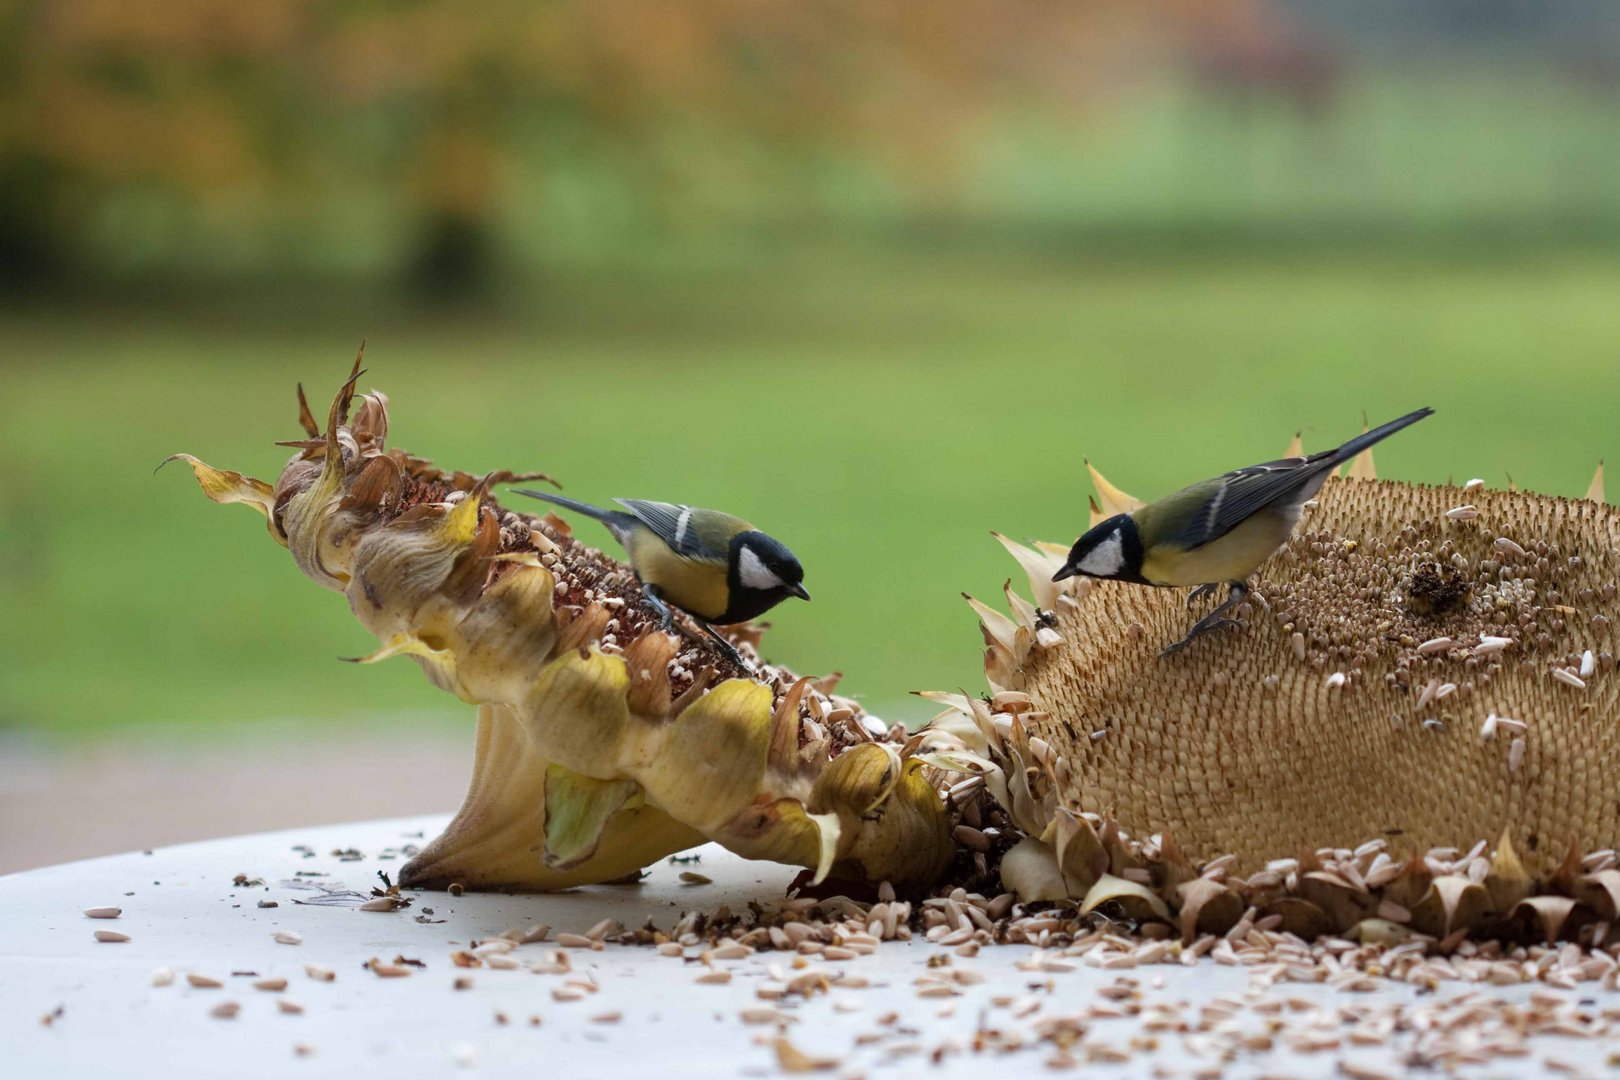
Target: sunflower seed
225	1010
1516	754
1569	678
111	937
113	913
288	937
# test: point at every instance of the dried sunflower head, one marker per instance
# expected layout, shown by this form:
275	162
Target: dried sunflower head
603	742
1419	667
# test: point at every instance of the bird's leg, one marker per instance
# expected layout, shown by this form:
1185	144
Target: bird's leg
656	602
1201	592
726	647
1213	621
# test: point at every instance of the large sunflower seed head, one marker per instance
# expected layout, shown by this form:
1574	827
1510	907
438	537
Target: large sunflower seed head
1332	747
1350	701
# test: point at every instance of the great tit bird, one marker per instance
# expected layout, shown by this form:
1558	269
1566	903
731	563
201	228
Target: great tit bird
715	567
1215	532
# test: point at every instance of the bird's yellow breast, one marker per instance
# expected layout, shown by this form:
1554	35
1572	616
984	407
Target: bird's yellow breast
1233	557
697	587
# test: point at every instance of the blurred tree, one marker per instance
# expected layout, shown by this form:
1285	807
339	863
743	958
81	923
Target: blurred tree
215	120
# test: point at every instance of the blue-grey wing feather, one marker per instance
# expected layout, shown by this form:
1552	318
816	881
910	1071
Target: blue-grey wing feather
1245	492
672	524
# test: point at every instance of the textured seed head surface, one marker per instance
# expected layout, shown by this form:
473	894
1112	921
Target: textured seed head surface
1350	701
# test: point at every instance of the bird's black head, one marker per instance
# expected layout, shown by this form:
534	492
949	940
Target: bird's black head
763	573
1111	549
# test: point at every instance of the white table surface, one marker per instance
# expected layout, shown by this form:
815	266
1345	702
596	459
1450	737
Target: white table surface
182	912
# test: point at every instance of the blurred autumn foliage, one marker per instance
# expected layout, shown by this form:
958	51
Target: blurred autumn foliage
248	128
439	141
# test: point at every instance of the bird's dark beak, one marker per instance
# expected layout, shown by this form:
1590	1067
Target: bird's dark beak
799	591
1065	573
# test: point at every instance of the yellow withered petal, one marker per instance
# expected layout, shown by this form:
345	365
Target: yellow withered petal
496	839
1594	491
1134	900
438	664
1039	566
712	758
225	487
1600	892
1030	869
578	810
1545	914
1296	448
1113	501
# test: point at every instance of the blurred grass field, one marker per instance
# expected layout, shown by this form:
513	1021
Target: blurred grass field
881	413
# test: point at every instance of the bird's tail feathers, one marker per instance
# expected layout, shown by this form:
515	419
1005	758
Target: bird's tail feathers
607	517
1377	434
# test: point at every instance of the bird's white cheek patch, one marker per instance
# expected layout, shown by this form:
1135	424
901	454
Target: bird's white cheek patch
1106	559
753	573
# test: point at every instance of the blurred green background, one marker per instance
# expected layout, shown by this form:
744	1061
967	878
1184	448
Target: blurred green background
875	275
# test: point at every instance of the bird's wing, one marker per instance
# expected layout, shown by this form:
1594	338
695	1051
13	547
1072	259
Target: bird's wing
673	525
1244	492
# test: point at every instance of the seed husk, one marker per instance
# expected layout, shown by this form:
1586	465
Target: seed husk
103	912
793	1060
111	937
1568	678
